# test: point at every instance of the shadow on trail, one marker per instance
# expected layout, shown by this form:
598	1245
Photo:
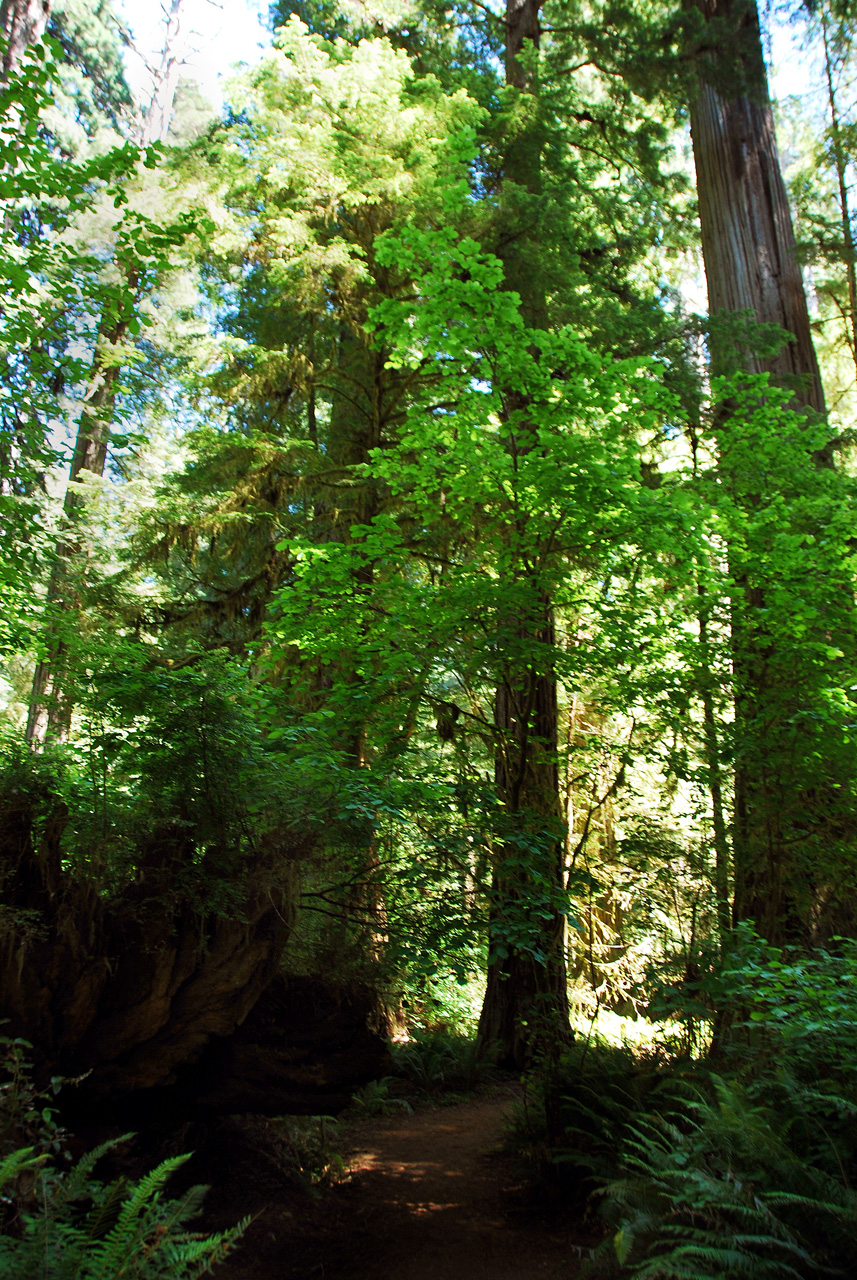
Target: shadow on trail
431	1198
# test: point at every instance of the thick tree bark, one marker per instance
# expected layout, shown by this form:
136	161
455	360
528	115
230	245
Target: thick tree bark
22	23
748	241
751	267
525	1011
132	987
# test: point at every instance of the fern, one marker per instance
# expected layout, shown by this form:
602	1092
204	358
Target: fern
128	1232
713	1190
16	1163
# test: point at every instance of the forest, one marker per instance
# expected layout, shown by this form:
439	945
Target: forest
427	650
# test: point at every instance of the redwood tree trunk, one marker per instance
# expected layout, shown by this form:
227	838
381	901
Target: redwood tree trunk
751	267
130	987
748	241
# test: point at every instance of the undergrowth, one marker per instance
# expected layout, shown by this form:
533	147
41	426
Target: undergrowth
59	1221
312	1145
741	1164
442	1063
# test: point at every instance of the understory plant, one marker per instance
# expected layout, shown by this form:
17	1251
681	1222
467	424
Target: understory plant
60	1221
438	1061
78	1228
741	1164
714	1188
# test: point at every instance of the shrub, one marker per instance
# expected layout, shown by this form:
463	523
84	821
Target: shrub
742	1170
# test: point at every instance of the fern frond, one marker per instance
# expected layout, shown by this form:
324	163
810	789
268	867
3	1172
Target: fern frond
132	1225
77	1181
16	1163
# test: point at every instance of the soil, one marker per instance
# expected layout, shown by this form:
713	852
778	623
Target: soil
430	1196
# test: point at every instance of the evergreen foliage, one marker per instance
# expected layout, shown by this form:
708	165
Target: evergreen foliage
85	1230
433	593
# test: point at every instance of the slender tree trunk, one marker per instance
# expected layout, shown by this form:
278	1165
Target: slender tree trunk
715	775
842	185
51	704
156	124
357	395
525	1011
526	1003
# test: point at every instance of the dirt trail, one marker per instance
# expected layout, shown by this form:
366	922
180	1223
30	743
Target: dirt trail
431	1198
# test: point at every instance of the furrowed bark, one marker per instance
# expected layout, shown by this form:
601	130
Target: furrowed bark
753	274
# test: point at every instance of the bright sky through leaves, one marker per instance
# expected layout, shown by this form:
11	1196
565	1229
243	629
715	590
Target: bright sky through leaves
220	33
225	32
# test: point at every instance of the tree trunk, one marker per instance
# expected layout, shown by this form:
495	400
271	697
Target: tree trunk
51	706
841	164
22	23
156	124
525	1011
748	242
751	267
130	987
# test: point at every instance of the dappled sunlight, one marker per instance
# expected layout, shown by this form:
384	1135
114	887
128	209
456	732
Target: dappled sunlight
620	1030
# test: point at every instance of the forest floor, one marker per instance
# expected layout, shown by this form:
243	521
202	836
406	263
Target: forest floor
428	1195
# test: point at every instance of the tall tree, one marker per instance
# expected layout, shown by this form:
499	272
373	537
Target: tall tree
748	243
760	325
526	1003
135	265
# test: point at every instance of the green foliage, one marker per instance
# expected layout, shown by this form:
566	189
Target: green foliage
393	497
27	1114
601	1089
60	1221
744	1170
377	1098
81	1229
311	1142
788	1031
715	1189
91	92
440	1062
67	284
169	789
